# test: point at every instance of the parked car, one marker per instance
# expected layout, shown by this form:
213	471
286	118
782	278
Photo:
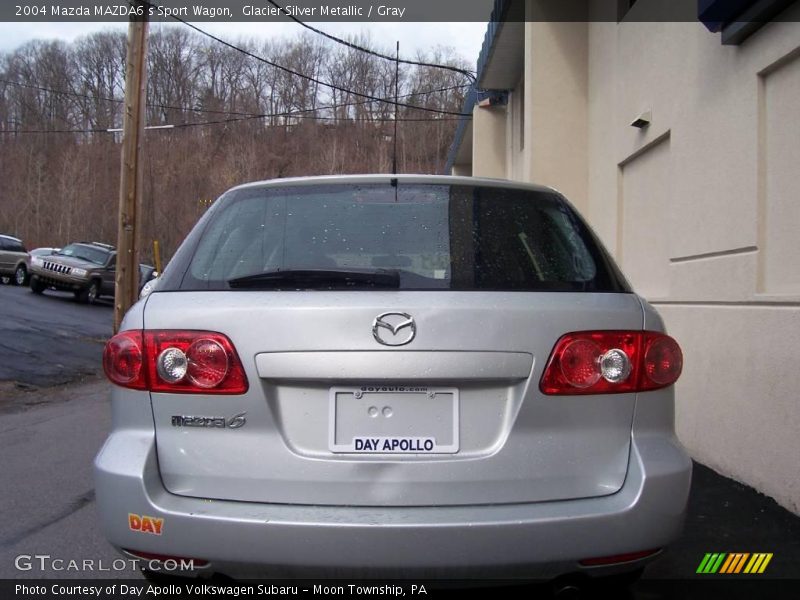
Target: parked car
393	376
88	269
13	260
43	251
148	287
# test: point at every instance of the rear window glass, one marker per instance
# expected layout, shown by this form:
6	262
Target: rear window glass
432	237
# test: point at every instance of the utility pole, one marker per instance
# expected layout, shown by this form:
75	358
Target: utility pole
130	185
396	100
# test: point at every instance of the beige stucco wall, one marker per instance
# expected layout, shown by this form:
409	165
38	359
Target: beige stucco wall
489	155
556	121
514	132
702	209
544	128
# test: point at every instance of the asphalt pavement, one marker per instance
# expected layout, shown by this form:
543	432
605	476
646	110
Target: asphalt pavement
47	501
50	339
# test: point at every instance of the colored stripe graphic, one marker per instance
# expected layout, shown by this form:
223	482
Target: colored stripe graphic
711	562
715	566
728	562
742	560
734	563
765	563
704	563
758	563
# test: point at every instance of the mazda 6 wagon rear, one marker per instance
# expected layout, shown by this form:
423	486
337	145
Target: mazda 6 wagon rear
393	375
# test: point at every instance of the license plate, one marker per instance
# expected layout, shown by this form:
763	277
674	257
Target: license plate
393	419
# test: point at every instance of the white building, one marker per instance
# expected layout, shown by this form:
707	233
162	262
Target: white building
700	204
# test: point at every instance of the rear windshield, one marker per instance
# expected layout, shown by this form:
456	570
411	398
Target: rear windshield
428	237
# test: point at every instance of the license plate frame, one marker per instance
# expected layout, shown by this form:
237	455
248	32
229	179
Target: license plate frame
406	398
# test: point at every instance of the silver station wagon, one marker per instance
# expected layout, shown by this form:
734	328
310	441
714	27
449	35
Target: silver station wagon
405	376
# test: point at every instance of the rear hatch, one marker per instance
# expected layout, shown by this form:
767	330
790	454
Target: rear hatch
393	338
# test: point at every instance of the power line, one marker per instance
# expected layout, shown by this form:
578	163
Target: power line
118	100
308	77
464	72
315	118
314	79
61	92
208	110
292	114
26	131
225	121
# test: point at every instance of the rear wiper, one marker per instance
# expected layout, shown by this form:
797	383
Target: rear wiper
319	279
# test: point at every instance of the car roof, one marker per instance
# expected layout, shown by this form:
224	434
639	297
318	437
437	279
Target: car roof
10	237
387	179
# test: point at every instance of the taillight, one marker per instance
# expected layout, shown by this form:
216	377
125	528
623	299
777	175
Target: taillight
611	362
175	362
123	360
663	361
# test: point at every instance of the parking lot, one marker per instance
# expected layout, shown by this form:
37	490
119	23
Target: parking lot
50	339
55	415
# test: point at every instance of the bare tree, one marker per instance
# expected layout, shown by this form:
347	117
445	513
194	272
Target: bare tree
62	185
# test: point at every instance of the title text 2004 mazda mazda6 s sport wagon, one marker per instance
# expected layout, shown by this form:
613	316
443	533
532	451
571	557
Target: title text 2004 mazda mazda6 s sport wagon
408	376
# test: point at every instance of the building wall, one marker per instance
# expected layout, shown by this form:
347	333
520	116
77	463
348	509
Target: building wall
555	82
702	209
489	157
544	128
514	131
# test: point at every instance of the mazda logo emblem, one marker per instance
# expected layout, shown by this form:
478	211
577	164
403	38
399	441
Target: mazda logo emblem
394	328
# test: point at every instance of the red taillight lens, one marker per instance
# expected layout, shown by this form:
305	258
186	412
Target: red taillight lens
180	362
580	364
611	362
663	361
123	359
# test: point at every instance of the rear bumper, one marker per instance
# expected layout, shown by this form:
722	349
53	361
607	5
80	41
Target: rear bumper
515	540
